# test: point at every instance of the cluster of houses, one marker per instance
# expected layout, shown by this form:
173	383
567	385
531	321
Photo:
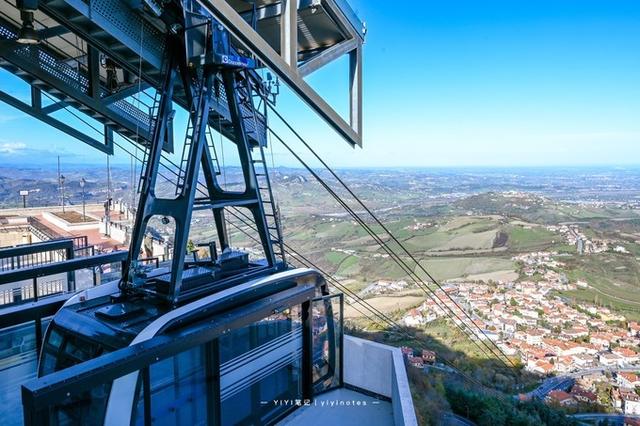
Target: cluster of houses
541	263
381	287
527	321
547	355
571	399
548	334
623	390
423	359
625	395
445	302
584	245
418	226
627	401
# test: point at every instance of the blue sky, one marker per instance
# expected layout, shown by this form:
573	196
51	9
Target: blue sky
457	83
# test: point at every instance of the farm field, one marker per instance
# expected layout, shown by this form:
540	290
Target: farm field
613	279
474	238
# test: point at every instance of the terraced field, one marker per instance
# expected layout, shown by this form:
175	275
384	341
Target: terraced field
613	279
470	247
451	245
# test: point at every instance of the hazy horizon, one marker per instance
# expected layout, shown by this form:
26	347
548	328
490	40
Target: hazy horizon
532	167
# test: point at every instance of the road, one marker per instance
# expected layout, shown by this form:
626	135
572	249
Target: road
566	381
451	419
551	384
613	419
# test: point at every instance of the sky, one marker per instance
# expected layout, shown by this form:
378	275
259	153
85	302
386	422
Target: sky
455	83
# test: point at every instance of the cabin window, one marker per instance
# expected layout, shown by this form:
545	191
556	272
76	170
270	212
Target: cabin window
261	369
326	314
244	377
61	350
18	357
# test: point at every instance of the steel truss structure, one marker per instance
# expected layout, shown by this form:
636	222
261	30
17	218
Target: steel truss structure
126	63
124	66
218	67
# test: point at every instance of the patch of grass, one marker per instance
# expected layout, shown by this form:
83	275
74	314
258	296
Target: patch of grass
614	281
459	233
350	265
530	238
460	267
334	257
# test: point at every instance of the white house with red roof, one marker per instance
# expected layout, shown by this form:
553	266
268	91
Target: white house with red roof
627	380
627	355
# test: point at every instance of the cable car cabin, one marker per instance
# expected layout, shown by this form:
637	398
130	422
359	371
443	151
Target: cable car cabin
238	378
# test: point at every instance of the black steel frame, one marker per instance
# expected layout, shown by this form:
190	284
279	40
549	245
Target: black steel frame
198	84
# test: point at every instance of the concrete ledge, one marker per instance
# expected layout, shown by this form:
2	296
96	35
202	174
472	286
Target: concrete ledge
380	369
401	400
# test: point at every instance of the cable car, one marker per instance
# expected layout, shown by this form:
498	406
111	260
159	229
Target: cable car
234	379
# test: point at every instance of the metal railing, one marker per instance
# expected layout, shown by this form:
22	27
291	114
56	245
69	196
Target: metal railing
84	251
81	241
30	255
38	290
41	231
22	323
155	261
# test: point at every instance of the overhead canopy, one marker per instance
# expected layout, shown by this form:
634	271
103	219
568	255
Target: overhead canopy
75	36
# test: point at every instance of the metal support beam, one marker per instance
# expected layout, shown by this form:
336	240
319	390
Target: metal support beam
94	73
252	190
289	33
263	51
147	203
36	99
41	67
327	56
126	92
355	89
346	23
104	25
50	32
42	116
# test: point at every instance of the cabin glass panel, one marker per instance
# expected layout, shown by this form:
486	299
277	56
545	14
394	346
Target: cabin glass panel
176	390
19	358
261	368
257	365
326	316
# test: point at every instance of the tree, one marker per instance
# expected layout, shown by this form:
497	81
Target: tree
191	246
485	409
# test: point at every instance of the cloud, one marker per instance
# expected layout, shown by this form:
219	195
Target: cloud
12	148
